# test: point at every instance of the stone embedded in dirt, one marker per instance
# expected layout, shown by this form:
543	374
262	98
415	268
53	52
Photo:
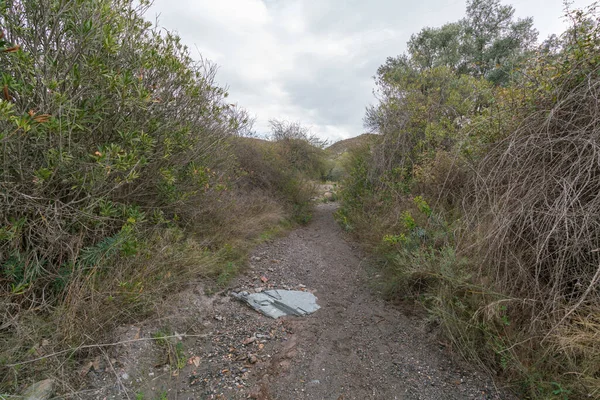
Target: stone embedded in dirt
249	340
41	390
279	303
261	336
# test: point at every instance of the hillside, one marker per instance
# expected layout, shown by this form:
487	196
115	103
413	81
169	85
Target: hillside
345	145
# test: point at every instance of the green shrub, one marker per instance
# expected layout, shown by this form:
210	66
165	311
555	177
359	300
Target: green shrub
105	121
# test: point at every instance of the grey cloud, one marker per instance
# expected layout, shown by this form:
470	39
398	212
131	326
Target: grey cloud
313	60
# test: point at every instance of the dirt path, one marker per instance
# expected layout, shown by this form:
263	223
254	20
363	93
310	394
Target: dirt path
355	347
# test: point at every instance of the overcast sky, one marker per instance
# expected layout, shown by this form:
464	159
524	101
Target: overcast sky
313	61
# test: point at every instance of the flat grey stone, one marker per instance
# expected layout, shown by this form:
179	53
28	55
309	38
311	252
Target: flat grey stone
279	303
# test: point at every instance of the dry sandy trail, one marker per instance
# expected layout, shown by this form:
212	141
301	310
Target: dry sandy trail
357	346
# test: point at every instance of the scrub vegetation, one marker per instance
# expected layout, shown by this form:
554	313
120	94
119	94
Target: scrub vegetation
481	198
124	171
126	174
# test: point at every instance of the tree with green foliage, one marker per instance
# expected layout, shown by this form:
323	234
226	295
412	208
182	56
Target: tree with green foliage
488	42
429	95
494	42
434	47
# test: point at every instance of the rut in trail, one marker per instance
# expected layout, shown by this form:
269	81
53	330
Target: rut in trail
356	346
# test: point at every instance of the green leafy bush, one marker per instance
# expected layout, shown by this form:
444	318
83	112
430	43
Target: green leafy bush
105	122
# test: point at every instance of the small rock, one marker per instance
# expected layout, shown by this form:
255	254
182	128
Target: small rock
249	340
41	390
261	336
252	359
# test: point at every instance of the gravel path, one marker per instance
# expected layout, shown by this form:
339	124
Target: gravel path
355	347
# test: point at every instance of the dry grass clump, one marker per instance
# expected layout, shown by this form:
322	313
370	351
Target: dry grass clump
209	250
443	180
260	210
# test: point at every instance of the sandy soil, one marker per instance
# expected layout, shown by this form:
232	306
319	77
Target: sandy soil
355	347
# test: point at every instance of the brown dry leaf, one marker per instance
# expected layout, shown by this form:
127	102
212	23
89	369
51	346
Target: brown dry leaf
96	363
136	336
43	118
261	346
12	49
86	369
264	279
194	360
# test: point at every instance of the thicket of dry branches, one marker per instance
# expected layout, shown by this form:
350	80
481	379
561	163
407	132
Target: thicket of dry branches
538	200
